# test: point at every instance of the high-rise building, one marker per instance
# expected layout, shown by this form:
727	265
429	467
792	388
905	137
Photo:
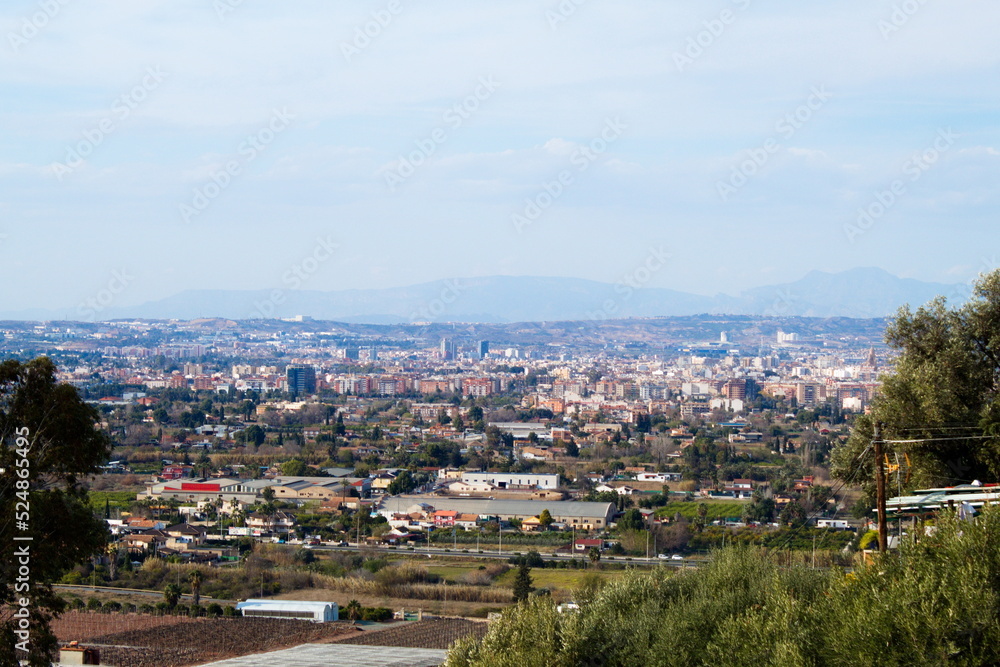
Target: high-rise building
300	379
484	348
447	348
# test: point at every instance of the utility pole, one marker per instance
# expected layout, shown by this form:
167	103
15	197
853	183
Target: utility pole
880	490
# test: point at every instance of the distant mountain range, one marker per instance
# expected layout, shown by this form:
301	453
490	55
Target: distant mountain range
859	293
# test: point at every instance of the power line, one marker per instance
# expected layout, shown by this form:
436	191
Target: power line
967	437
833	492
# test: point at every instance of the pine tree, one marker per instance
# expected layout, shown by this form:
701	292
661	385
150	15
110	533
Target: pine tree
522	583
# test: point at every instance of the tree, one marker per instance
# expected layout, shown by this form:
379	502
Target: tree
404	483
943	393
572	449
523	582
196	577
594	554
294	468
171	594
759	509
545	519
49	433
744	608
353	610
254	434
631	520
793	513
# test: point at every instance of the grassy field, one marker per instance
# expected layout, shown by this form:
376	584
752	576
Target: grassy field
557	580
717	509
116	499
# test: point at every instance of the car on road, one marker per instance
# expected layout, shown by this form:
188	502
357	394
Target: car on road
663	557
677	557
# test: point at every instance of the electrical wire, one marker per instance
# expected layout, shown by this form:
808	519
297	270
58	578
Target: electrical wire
967	437
833	492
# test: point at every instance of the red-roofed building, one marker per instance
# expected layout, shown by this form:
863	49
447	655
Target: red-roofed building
586	544
445	518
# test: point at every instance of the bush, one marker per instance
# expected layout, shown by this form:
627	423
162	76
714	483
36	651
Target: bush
214	610
146	609
93	604
484	612
76	603
181	610
229	611
532	558
934	602
377	614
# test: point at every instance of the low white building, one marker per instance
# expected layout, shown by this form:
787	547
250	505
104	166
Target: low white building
512	480
320	612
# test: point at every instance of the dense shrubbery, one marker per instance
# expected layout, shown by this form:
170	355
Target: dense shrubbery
935	602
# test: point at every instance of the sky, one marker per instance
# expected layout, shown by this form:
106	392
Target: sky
149	147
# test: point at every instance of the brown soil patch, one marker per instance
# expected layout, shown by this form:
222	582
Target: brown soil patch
136	640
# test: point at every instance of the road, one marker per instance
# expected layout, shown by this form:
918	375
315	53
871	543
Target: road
462	552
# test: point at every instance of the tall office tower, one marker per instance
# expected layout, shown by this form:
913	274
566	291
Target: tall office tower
447	348
301	379
484	348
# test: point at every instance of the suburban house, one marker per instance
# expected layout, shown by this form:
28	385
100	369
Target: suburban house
586	544
279	522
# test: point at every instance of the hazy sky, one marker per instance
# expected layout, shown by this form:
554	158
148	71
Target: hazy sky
154	146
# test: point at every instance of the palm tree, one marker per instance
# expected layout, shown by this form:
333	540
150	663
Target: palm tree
171	594
196	577
353	610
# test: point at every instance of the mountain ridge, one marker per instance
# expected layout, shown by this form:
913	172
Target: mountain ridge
858	293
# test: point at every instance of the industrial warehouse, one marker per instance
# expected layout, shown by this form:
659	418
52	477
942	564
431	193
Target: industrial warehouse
320	612
574	514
